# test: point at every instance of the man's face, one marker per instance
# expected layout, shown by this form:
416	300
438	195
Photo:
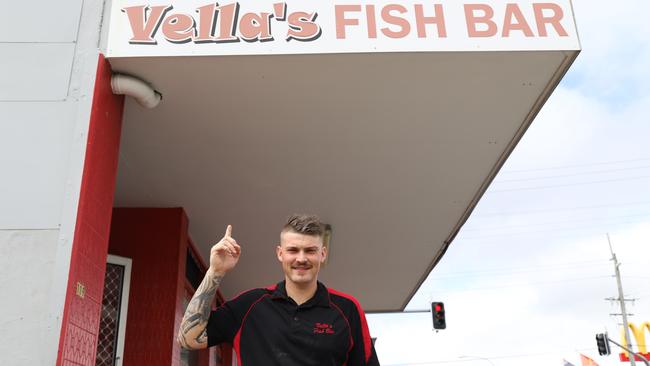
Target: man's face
301	256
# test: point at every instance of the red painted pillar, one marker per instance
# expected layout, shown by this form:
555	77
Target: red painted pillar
83	301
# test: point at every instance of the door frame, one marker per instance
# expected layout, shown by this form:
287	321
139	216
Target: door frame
124	304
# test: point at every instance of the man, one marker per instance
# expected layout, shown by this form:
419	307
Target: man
298	322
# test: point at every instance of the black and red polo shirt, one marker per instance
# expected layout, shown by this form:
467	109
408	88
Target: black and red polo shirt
266	327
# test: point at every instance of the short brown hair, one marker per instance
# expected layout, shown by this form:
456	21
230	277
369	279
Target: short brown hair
305	224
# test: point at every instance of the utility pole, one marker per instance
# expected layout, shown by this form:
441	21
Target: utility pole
622	300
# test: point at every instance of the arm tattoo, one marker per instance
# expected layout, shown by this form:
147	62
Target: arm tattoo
193	333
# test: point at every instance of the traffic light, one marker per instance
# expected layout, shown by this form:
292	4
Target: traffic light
603	344
438	312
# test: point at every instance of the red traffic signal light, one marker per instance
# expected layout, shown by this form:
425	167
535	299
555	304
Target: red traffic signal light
438	313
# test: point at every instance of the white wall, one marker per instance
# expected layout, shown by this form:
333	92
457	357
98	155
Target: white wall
27	262
47	72
37	41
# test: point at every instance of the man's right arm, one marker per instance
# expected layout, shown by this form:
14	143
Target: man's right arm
223	257
193	333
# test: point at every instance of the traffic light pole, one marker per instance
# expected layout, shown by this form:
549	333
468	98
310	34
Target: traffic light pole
621	298
632	353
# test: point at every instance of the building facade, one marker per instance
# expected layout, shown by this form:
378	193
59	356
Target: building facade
389	120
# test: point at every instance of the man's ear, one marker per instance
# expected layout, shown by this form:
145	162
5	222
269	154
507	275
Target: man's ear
278	252
324	249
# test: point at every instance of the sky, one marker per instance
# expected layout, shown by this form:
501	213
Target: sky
525	281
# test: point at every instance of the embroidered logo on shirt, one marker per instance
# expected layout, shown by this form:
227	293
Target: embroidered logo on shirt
323	328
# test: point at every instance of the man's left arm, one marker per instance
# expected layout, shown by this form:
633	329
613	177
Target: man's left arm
363	350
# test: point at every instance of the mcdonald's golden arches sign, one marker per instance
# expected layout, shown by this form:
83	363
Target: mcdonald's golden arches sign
638	337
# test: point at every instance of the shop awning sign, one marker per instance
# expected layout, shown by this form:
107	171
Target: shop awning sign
198	27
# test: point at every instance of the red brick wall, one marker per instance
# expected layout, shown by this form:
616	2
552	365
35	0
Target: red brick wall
81	314
156	240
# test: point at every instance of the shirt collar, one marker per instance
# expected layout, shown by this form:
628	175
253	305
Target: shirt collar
321	297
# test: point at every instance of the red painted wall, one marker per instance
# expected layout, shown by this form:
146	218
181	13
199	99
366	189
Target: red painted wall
81	314
156	240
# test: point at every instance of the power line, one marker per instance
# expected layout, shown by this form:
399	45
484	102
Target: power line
531	268
585	227
507	227
500	274
578	208
563	281
595	261
573	166
567	185
497	241
569	175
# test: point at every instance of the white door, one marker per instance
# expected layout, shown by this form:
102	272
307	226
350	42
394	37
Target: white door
115	301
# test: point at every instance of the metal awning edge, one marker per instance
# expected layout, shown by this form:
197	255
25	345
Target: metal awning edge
570	56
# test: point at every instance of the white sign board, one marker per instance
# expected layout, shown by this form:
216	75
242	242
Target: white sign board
246	27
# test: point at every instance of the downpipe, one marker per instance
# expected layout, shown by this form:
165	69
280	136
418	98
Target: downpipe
135	88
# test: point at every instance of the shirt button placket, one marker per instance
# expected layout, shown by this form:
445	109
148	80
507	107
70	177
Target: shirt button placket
296	321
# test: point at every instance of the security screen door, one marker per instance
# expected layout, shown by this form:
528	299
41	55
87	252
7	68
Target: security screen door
112	326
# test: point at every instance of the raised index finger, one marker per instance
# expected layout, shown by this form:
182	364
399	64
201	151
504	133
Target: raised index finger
228	231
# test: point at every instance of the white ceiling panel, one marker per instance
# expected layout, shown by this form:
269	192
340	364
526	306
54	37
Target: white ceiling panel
393	150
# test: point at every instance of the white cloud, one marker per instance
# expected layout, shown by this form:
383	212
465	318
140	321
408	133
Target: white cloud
614	60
